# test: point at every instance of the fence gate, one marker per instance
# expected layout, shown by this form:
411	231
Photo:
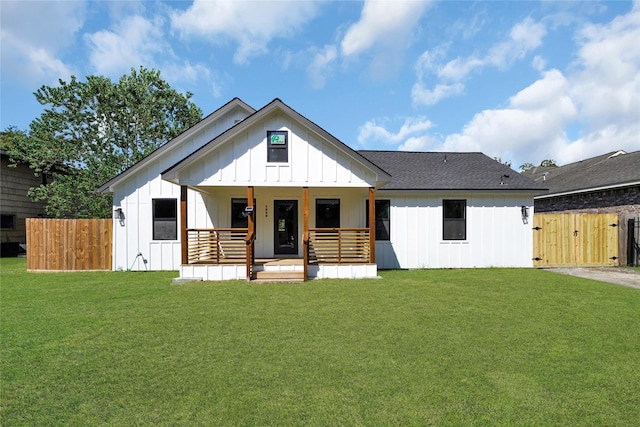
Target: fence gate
570	240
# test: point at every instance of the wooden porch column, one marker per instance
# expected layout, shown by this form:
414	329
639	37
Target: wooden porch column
251	229
372	225
183	225
251	218
305	233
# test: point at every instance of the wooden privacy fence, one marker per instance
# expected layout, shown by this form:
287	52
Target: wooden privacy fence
69	244
569	240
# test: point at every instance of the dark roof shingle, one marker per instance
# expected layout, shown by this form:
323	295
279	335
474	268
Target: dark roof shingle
447	171
616	168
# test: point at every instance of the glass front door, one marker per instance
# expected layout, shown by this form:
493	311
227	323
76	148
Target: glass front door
285	230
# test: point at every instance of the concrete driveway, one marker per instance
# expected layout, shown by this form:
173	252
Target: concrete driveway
616	275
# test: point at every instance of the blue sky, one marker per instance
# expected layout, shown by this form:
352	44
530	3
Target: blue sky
522	81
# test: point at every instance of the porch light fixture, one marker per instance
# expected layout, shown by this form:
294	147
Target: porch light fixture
120	215
525	214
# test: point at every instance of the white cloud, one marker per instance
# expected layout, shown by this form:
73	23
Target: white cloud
252	25
385	29
524	37
423	96
413	127
534	121
382	22
606	88
603	94
134	42
32	52
321	65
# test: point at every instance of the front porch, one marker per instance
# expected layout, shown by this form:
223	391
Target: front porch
230	253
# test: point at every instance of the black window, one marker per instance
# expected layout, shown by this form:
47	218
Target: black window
239	218
454	220
165	219
277	146
8	222
328	213
383	219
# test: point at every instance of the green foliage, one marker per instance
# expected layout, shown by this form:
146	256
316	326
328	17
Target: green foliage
12	137
95	129
506	162
526	166
482	347
544	164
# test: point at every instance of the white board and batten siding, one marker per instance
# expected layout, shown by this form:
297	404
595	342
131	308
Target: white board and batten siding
134	196
242	161
497	236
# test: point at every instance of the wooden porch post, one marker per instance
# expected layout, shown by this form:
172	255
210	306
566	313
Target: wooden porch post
184	246
372	225
251	228
251	218
305	234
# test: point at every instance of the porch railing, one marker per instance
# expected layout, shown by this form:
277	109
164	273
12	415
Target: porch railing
236	246
216	246
338	245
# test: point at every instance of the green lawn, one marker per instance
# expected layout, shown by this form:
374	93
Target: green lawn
431	347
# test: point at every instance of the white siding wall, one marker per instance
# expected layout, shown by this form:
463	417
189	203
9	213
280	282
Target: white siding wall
135	194
242	161
496	234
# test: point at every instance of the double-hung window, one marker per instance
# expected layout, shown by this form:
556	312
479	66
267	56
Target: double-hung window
277	146
454	220
383	219
165	219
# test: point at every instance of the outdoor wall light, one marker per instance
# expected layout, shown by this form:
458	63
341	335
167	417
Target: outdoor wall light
120	215
525	214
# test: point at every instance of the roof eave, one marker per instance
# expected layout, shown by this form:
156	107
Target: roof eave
589	190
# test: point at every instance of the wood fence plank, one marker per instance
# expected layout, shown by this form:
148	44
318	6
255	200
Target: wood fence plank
69	244
566	240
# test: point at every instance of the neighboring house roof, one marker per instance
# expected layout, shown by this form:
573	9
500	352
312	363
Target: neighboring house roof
447	171
229	106
610	170
276	104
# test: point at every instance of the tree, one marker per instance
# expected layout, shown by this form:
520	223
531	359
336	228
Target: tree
11	137
548	163
507	163
93	130
526	166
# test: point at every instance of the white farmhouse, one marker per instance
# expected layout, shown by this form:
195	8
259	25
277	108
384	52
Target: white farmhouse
250	194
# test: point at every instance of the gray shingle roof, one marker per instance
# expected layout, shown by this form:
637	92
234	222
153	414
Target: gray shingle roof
616	168
460	171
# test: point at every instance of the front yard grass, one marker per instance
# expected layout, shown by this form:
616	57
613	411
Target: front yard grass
428	347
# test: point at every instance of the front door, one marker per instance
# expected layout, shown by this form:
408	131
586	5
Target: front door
285	225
